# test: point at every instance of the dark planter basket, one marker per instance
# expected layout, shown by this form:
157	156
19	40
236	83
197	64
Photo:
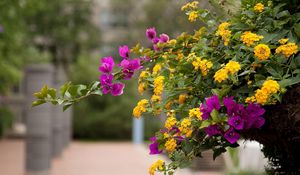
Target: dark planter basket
280	136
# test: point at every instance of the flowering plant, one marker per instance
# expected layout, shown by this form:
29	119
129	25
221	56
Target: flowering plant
213	85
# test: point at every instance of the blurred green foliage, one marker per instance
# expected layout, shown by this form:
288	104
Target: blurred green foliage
6	120
14	48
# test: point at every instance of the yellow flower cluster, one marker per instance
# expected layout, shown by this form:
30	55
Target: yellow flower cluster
230	68
140	108
259	7
262	51
193	15
168	105
262	95
224	32
170	145
158	85
195	112
141	88
204	65
283	40
249	38
158	165
156	69
233	67
221	75
287	49
185	127
182	98
170	122
156	98
144	74
190	5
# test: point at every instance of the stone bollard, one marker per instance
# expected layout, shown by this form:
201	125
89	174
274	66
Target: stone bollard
138	131
68	126
58	116
38	121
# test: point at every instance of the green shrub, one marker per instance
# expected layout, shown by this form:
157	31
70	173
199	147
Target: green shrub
6	120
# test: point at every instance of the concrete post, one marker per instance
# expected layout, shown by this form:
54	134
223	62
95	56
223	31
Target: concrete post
58	116
138	130
38	121
68	126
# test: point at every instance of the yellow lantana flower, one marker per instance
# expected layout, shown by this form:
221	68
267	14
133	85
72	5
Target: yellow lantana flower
195	112
233	67
221	75
224	32
158	165
170	122
287	49
193	15
249	38
259	7
170	145
140	108
262	52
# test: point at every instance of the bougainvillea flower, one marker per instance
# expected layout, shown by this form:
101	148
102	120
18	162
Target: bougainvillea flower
124	51
213	103
231	136
107	64
117	89
153	147
205	112
252	116
255	110
163	38
230	105
129	66
155	40
236	122
259	122
151	33
106	79
213	130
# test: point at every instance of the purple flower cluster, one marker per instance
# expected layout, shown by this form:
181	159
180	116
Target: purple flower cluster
153	147
106	79
152	36
239	117
128	68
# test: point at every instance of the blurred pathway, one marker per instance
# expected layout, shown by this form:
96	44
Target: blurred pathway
87	158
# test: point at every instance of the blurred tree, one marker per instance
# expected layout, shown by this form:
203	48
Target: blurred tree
64	28
14	49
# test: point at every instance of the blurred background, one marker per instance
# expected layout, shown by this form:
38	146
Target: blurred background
43	41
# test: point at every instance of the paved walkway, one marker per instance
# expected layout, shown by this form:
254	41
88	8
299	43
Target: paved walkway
84	158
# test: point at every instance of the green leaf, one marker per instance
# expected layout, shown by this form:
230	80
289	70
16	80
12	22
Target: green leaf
289	82
66	106
215	115
39	95
218	152
64	88
52	93
94	85
297	29
273	72
38	102
97	92
44	91
285	13
205	124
